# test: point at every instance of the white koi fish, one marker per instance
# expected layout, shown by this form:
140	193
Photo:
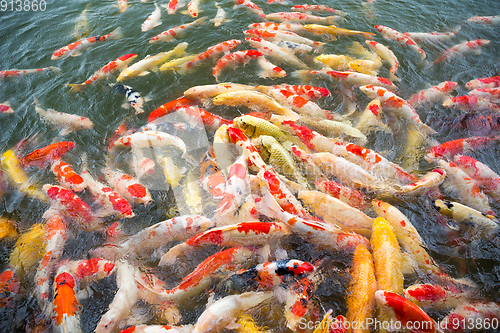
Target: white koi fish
175	32
153	20
399	38
75	48
220	16
65	121
473	46
274	51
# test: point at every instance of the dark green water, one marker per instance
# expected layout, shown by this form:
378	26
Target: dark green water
27	40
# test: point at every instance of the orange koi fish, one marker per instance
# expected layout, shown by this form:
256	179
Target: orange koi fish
75	48
45	155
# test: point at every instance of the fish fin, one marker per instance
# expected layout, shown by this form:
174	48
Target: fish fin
65	131
117	33
184	12
75	54
155	69
393	77
427	130
126	105
75	87
144	73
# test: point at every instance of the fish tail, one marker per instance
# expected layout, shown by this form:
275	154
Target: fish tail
427	129
75	87
367	35
202	20
116	34
393	77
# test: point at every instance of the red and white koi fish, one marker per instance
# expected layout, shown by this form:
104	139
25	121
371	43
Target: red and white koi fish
485	82
158	329
320	234
125	298
253	157
294	27
73	207
232	59
407	235
299	301
250	7
431	37
223	152
65	121
176	32
386	54
308	92
480	172
400	107
211	121
491	94
106	71
235	190
360	79
485	19
298	104
458	319
158	235
110	201
371	118
5	108
346	194
7	74
302	18
55	239
435	296
122	5
471	103
406	312
173	6
67	177
220	16
473	46
268	69
274	51
43	156
211	177
459	147
465	188
212	52
128	187
153	20
400	38
169	107
223	312
429	97
217	265
75	48
318	9
278	35
241	234
430	180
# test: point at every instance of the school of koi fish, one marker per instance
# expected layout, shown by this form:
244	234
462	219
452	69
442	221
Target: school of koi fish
289	215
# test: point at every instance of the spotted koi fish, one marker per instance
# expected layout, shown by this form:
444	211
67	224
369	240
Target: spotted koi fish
106	71
268	69
5	108
212	52
400	38
274	51
302	18
459	147
471	103
153	20
294	27
435	296
173	6
24	72
485	19
251	7
360	79
211	177
278	35
132	96
480	172
43	156
128	187
431	36
346	194
176	32
485	82
491	94
386	54
235	190
470	313
67	177
465	47
318	9
75	48
232	59
429	97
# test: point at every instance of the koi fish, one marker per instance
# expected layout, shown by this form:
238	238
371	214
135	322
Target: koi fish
470	312
150	62
482	224
396	36
122	5
277	35
132	96
429	97
75	48
127	186
302	18
471	103
334	61
398	105
176	32
173	6
153	20
305	91
220	314
485	82
235	190
65	121
81	29
294	27
67	176
465	47
318	9
45	155
220	16
211	121
250	7
5	108
212	52
485	19
371	118
459	146
24	258
331	128
431	36
386	54
491	94
332	31
232	59
359	79
177	64
361	293
406	312
435	296
272	50
106	71
268	69
8	74
481	173
15	175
